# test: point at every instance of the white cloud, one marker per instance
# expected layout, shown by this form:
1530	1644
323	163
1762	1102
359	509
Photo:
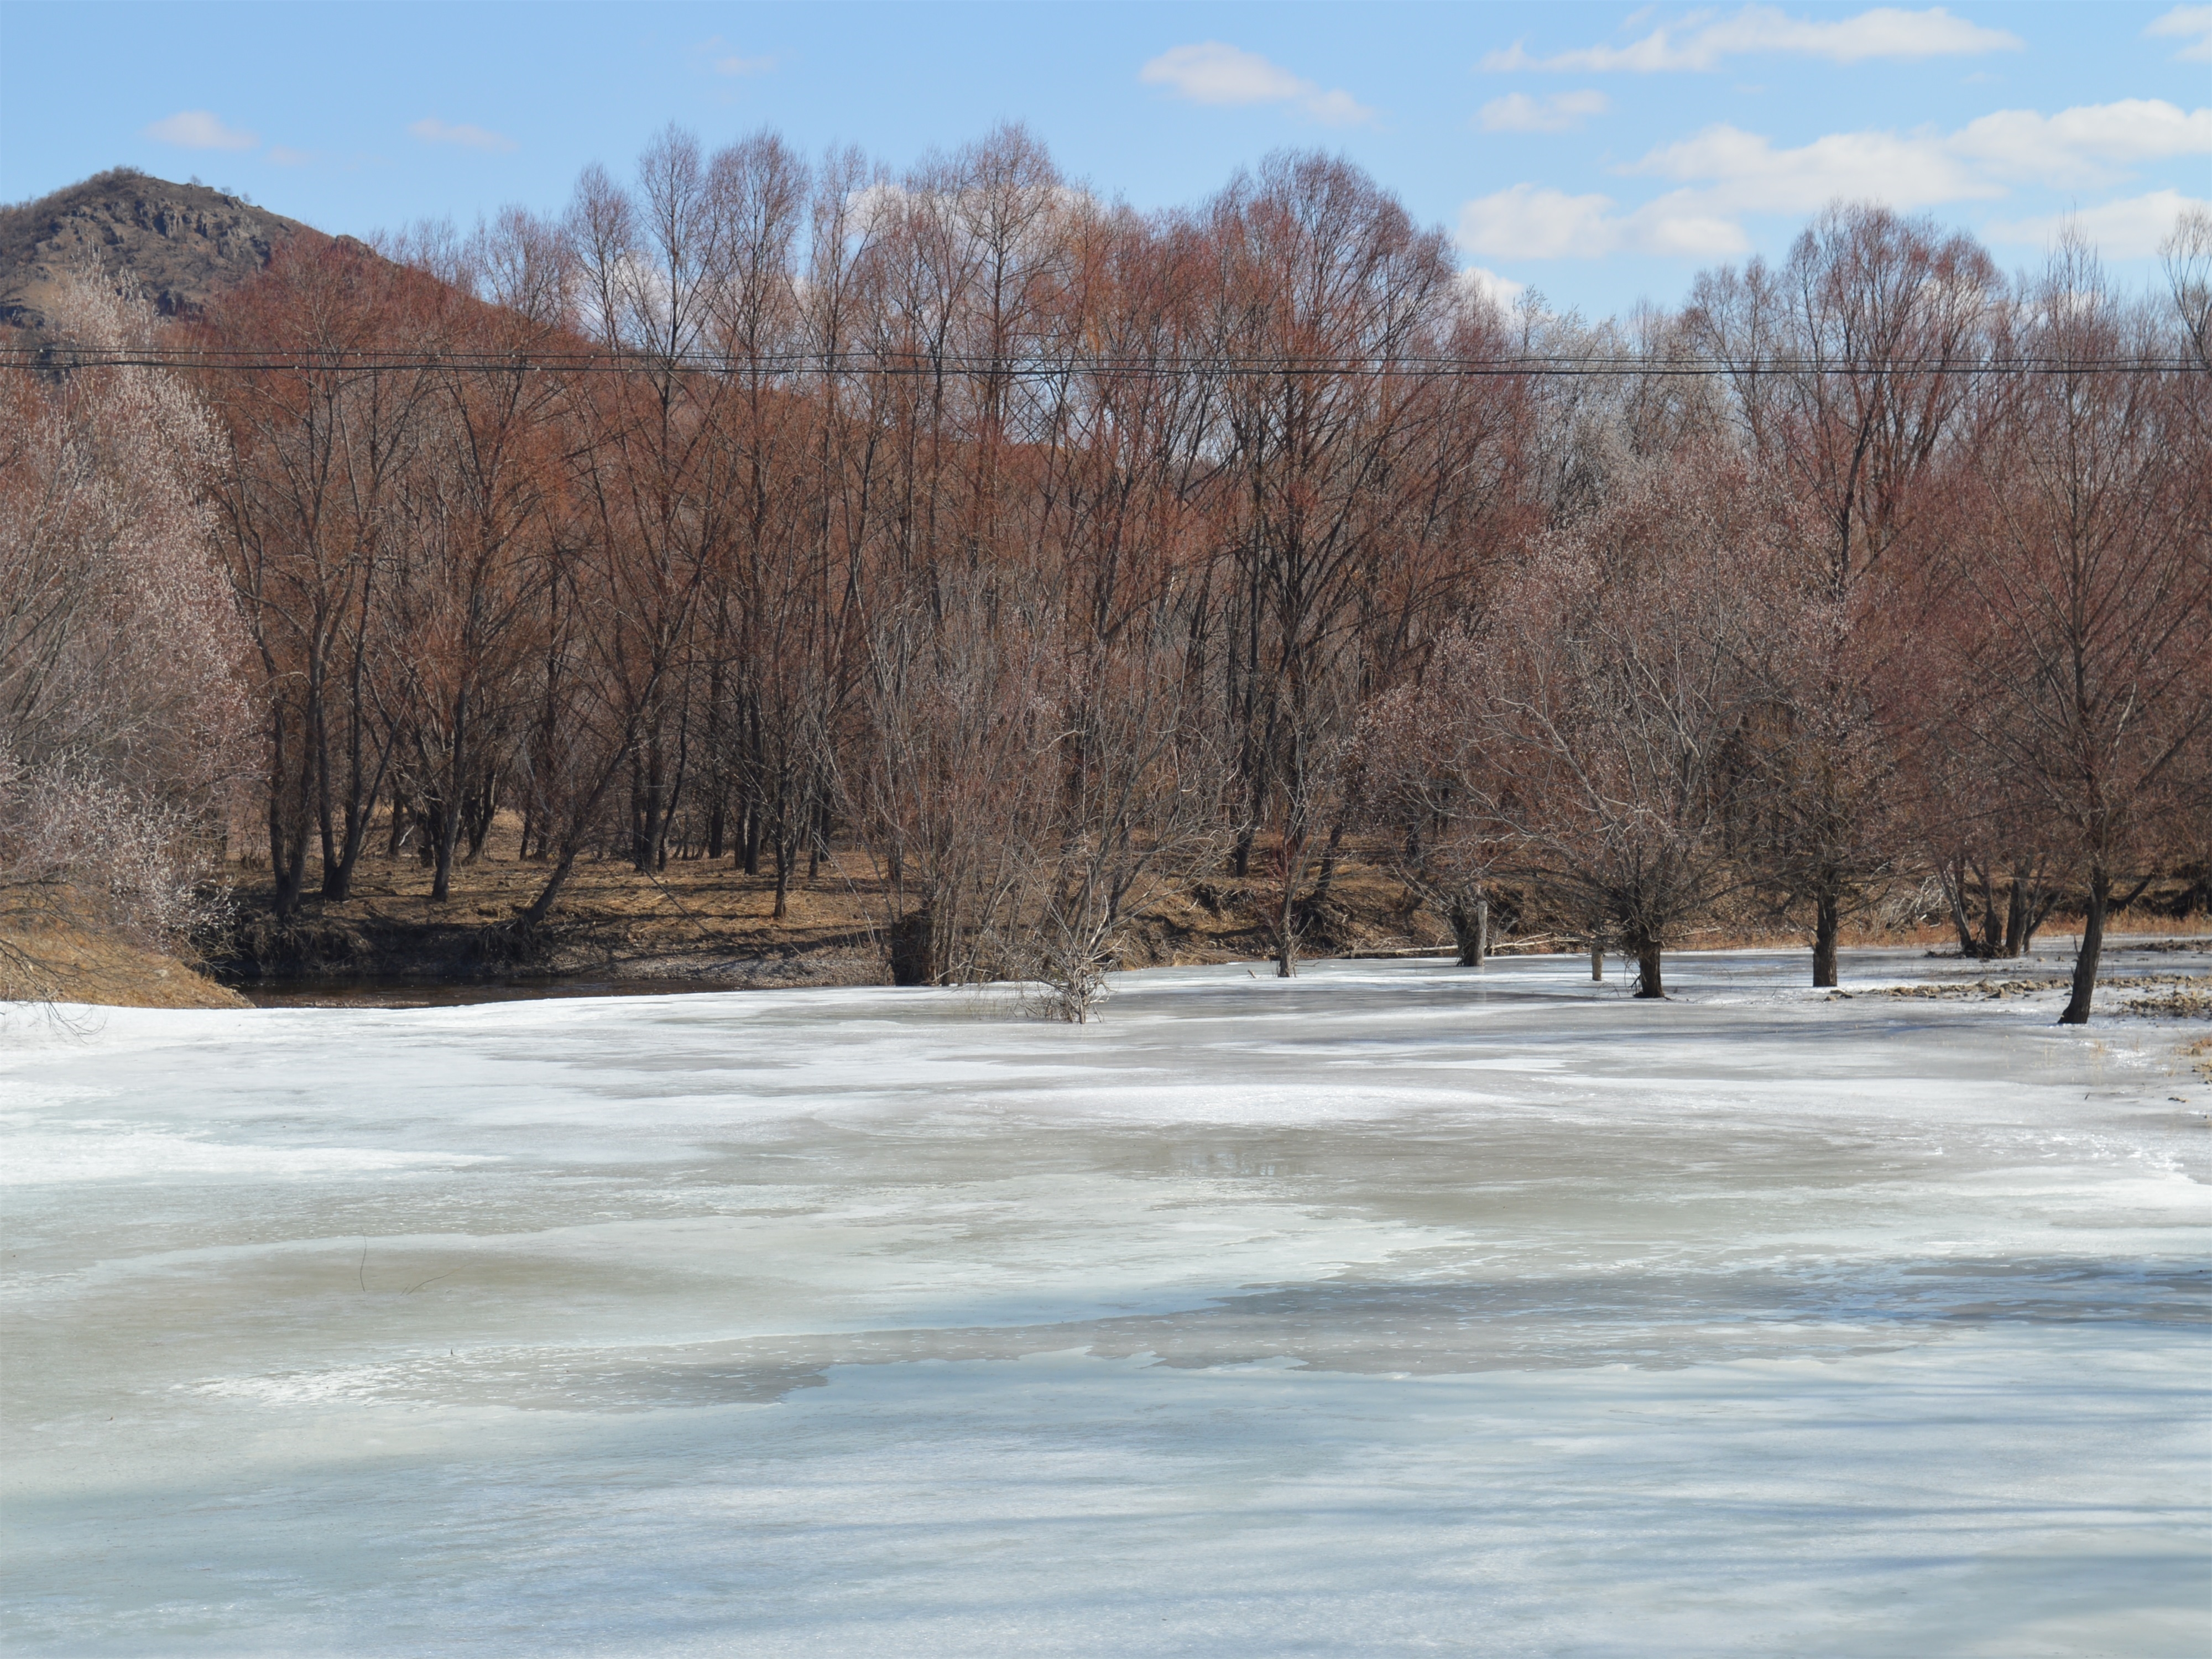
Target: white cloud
2085	144
1723	172
1680	224
2189	23
198	129
1702	41
1485	284
431	130
1214	72
1561	112
1740	172
2127	229
1339	108
1527	222
724	59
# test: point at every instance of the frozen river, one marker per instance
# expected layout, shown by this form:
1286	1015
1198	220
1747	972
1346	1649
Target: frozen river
1397	1309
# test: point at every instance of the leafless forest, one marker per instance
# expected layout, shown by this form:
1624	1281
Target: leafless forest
1041	552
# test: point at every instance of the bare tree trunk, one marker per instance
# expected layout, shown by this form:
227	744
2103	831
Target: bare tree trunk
1827	921
1328	861
361	808
912	947
578	820
2015	928
651	812
2093	946
2120	907
319	740
449	825
1470	926
289	823
484	807
1647	981
361	791
1286	910
1953	875
679	781
275	812
541	906
1597	957
751	850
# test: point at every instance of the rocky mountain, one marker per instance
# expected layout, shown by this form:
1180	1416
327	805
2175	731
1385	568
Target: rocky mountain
179	244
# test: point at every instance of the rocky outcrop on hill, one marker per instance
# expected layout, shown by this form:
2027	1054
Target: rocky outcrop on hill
179	245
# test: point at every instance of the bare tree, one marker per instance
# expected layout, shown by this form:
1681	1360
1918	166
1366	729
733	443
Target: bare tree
1624	662
1848	367
315	451
1140	783
653	481
952	791
1354	487
461	588
1423	761
2091	586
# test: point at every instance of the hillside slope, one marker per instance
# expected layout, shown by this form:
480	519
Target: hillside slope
181	244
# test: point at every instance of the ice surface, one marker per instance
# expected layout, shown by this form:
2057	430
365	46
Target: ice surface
1397	1309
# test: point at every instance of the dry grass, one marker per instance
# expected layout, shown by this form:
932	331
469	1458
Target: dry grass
1747	937
2172	996
1941	939
706	920
1989	990
2201	1052
2134	924
681	922
2190	1000
73	964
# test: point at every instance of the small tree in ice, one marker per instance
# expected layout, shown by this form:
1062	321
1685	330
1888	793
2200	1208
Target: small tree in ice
1141	781
1625	659
1422	760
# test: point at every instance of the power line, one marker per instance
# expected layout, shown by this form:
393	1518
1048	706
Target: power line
926	366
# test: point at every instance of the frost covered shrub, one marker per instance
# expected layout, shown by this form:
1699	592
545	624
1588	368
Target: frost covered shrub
77	850
123	716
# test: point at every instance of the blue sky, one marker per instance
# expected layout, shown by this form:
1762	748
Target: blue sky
1602	153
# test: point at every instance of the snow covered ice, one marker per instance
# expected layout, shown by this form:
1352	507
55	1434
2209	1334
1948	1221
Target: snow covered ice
1396	1308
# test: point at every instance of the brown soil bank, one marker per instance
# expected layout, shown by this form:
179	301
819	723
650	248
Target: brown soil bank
70	964
705	922
708	921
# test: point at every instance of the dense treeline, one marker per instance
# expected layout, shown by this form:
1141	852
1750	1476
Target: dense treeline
1041	551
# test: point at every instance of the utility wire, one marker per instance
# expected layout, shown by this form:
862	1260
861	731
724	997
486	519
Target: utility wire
913	366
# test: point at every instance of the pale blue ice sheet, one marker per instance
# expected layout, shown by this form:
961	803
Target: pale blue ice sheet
1397	1309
